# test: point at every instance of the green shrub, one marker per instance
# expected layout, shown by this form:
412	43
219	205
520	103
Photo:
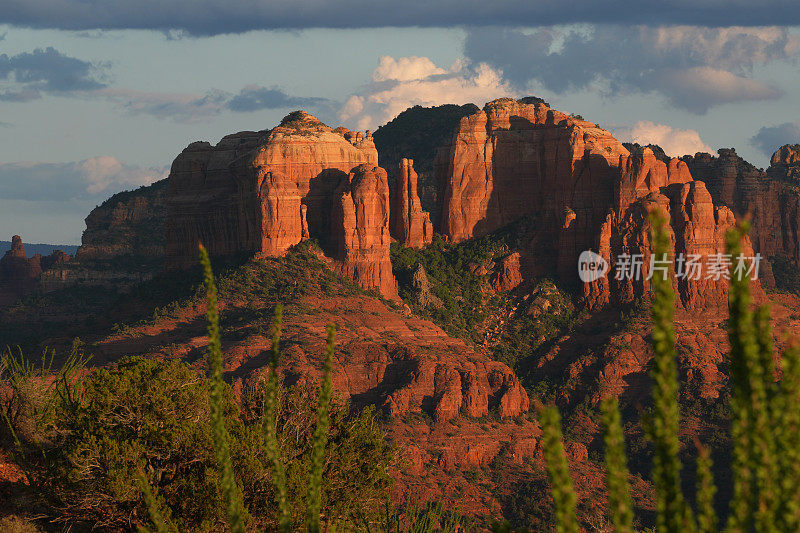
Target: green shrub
16	524
465	303
142	416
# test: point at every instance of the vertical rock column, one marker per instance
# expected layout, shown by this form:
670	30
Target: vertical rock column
409	223
360	230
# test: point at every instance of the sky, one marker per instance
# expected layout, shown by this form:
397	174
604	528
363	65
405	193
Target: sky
99	96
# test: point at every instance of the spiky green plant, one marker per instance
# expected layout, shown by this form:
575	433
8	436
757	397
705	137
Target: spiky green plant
270	420
787	441
673	515
314	499
744	355
761	374
561	487
159	513
706	514
619	496
765	420
230	490
418	517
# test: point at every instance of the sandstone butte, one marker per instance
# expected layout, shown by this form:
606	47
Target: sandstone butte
584	190
19	274
263	192
409	223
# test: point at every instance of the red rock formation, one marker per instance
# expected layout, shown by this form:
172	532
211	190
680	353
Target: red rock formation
513	159
769	198
586	190
508	273
409	223
19	275
129	224
57	257
15	267
641	174
263	192
245	194
360	229
697	228
787	155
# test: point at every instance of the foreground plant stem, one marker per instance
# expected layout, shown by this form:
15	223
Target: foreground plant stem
314	501
230	490
673	515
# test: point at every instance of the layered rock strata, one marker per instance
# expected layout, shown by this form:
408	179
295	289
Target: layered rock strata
770	199
360	229
585	190
263	192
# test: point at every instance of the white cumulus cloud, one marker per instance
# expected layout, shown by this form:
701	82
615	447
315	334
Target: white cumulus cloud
675	142
106	172
405	68
408	81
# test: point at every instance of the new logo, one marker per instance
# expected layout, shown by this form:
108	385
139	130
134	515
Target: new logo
591	266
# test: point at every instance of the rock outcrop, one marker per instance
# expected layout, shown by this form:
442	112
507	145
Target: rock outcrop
129	224
417	133
21	275
785	164
771	199
360	229
508	273
585	190
697	230
122	246
263	192
512	159
409	223
18	274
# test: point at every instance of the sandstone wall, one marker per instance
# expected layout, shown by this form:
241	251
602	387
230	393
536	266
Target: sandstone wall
263	192
584	190
771	199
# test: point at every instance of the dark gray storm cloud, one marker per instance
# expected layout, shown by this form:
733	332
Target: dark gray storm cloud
46	70
693	67
212	17
191	107
253	98
770	138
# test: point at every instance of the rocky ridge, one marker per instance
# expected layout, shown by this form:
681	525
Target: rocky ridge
770	198
588	191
